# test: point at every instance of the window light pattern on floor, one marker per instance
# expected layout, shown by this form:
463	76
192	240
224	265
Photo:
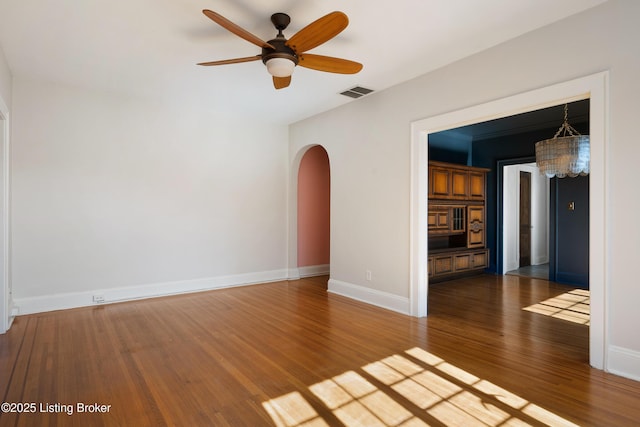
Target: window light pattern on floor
573	306
413	389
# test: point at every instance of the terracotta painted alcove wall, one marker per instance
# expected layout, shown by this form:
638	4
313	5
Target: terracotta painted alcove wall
313	208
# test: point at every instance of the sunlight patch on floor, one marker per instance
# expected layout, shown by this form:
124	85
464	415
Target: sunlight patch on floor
419	387
573	306
292	410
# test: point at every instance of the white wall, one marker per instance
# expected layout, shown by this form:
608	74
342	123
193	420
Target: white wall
125	198
5	80
368	141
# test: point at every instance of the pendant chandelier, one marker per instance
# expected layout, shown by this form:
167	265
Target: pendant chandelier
566	154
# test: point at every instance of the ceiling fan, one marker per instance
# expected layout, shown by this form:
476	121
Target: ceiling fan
281	55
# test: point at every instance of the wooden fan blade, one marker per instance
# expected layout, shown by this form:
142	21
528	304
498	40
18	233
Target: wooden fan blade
329	64
281	82
235	29
232	61
318	32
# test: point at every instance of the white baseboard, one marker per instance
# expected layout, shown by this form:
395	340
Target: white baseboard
83	299
313	270
293	274
624	362
370	296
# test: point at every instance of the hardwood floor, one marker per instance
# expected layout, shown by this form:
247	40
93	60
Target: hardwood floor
291	354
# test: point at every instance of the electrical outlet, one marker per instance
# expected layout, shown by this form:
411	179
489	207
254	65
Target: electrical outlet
368	275
98	299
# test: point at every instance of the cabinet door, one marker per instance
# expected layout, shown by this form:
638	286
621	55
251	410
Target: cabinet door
480	259
438	219
462	262
439	183
459	184
475	227
476	185
442	265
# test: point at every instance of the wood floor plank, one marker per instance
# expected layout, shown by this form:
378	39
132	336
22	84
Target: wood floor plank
276	354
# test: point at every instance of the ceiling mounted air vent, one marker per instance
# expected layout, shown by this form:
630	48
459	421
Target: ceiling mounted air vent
356	92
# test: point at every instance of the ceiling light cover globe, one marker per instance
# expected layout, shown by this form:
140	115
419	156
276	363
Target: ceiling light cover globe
280	67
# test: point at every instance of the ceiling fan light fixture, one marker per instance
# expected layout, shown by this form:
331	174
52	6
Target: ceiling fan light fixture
280	67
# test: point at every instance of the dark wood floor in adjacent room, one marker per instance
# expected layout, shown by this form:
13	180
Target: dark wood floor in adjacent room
291	354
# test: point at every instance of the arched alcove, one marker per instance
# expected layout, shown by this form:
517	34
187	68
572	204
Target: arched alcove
313	210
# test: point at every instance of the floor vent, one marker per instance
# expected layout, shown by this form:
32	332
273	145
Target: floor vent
356	92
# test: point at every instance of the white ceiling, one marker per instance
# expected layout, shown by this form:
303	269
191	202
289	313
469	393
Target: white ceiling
150	47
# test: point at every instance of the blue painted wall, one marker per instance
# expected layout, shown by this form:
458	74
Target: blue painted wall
569	255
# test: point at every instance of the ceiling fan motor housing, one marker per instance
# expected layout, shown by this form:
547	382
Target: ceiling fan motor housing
281	51
280	21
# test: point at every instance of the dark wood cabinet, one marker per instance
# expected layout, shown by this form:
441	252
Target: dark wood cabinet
456	220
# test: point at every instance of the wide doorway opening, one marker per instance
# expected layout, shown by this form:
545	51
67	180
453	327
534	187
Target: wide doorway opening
592	87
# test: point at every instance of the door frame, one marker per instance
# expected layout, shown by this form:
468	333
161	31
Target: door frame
501	236
6	302
594	87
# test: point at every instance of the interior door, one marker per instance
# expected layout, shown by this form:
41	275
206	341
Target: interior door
525	219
